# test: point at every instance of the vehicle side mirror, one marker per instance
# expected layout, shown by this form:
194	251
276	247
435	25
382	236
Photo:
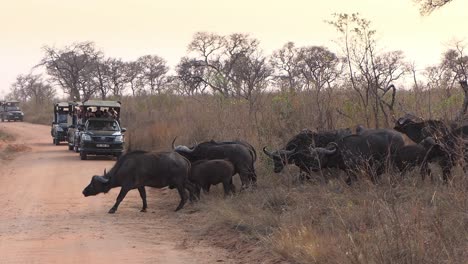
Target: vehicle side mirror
123	129
54	123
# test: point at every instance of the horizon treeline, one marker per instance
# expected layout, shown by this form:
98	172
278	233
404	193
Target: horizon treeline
235	67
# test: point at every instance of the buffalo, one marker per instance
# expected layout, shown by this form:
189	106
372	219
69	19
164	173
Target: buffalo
418	131
450	150
416	155
241	154
205	173
137	169
368	152
297	150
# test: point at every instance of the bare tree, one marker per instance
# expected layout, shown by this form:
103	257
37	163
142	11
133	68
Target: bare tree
250	77
116	74
99	73
427	6
71	68
190	75
31	87
132	75
286	69
370	73
318	68
456	61
154	71
217	56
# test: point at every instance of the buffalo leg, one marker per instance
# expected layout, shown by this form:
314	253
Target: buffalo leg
121	196
425	171
446	165
233	187
227	186
245	180
143	197
193	195
183	197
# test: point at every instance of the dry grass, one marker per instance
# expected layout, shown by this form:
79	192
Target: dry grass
7	148
396	221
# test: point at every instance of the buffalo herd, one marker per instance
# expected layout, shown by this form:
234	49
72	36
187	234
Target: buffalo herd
369	152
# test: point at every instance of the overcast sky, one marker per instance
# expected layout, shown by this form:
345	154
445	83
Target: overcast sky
128	29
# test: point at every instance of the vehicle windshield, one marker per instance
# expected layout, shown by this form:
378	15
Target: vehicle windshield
12	108
106	125
62	118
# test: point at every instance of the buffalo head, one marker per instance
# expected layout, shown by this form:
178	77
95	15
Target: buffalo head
321	156
280	158
181	148
98	184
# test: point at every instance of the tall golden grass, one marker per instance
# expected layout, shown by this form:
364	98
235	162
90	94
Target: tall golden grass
399	220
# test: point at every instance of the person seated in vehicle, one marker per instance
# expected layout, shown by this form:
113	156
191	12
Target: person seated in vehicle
90	113
98	112
105	114
108	126
112	113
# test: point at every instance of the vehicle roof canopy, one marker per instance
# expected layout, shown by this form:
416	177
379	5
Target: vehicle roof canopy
62	104
115	104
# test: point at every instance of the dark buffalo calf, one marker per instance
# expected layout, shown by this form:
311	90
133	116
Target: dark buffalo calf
205	173
138	169
411	156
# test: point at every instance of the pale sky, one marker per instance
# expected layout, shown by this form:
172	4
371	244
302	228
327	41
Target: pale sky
128	29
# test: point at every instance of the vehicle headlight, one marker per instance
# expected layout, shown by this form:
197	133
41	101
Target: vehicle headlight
119	139
22	113
59	129
86	137
9	113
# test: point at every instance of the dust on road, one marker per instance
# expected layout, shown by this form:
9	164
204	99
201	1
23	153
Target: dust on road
45	218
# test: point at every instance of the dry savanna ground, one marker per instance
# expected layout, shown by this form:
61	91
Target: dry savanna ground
400	220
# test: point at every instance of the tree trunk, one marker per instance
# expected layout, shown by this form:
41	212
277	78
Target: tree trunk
462	112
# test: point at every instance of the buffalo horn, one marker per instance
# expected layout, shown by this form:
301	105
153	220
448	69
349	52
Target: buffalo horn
173	141
268	153
402	120
287	152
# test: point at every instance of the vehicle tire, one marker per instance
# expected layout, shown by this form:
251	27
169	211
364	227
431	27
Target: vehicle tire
56	141
83	155
70	147
75	148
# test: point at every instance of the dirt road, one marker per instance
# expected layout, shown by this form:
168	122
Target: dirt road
45	218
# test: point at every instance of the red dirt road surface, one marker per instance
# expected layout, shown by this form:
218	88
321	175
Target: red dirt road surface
46	219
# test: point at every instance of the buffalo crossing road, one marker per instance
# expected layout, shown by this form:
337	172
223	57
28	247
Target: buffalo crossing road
45	218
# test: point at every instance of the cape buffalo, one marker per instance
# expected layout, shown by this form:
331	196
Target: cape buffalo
297	149
418	131
138	169
450	150
205	173
416	155
368	152
241	154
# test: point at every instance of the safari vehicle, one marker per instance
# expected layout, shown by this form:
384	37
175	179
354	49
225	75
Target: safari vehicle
101	136
10	111
60	123
90	109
